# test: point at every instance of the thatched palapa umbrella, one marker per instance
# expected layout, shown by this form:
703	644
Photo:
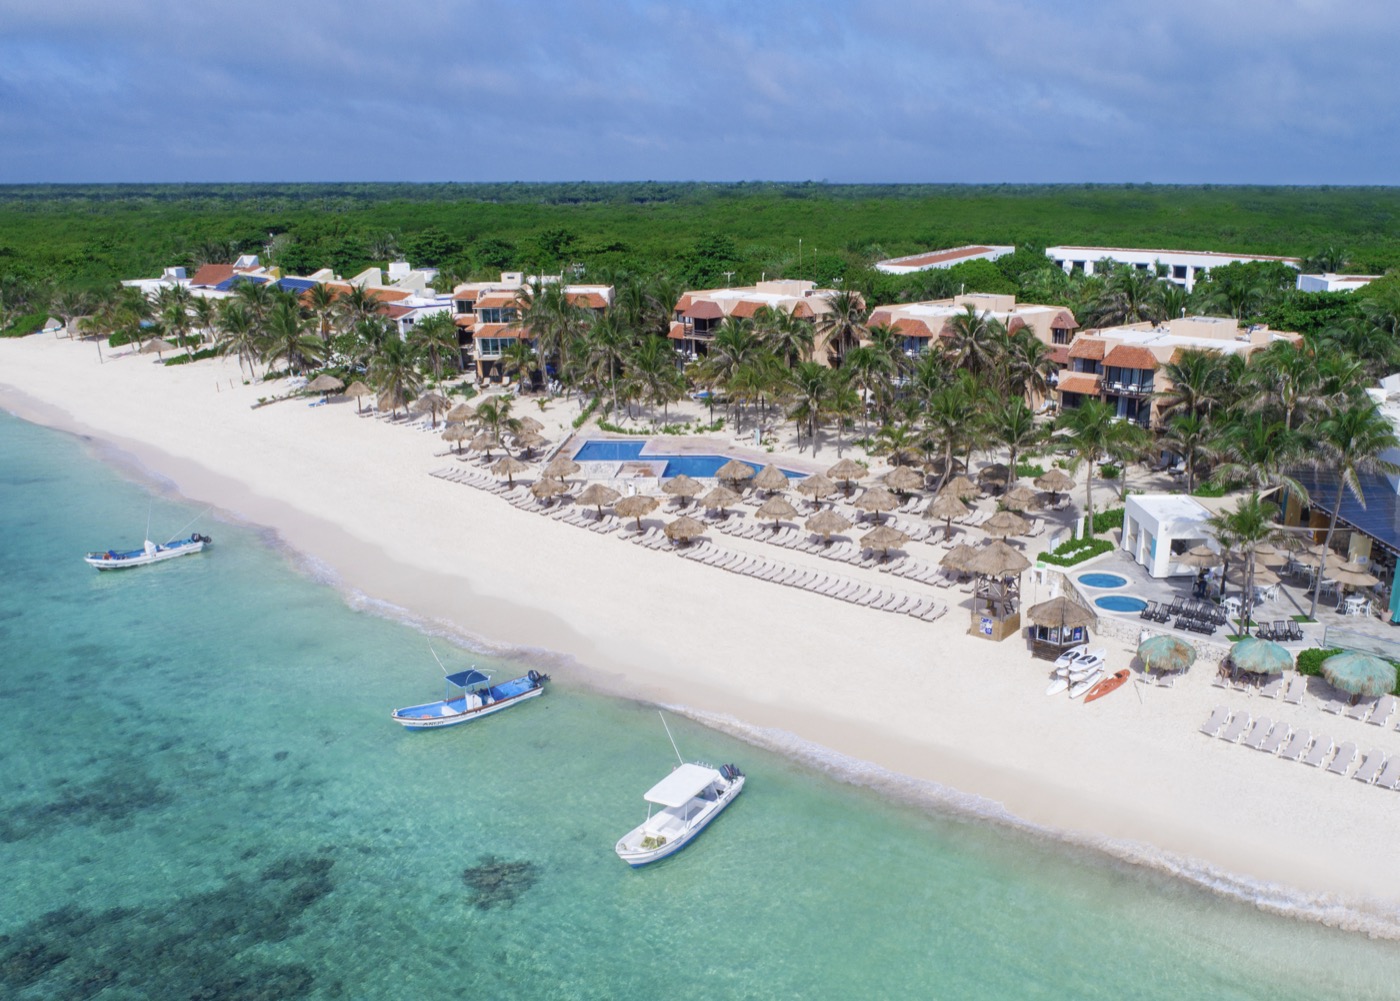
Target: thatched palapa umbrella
528	423
596	495
734	471
483	442
635	507
456	433
847	471
1019	498
508	467
1005	523
561	467
816	487
962	487
1359	673
1258	656
1200	557
997	559
357	389
827	523
777	509
548	487
959	558
903	479
323	384
1166	654
460	414
156	346
1353	575
1056	481
681	486
432	403
720	498
771	478
996	473
684	529
1060	613
884	538
528	441
876	500
946	507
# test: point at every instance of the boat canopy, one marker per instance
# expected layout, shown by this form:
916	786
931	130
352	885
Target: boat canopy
468	678
681	786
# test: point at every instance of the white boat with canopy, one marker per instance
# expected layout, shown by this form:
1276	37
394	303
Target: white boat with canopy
680	806
475	696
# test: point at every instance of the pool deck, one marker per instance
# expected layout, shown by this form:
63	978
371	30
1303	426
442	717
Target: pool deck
667	445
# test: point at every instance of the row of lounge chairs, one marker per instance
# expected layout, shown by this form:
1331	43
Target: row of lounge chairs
1376	711
1292	688
1282	631
816	581
1280	739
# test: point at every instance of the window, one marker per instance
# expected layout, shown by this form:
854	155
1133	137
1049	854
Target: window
1059	335
466	306
1179	271
497	314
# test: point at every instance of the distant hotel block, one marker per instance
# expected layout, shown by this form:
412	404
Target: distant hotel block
1334	283
1183	267
942	259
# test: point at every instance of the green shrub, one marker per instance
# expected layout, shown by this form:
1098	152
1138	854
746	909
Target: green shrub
1067	554
1110	472
1105	521
1029	471
198	356
612	428
1310	661
587	412
1210	490
120	339
28	323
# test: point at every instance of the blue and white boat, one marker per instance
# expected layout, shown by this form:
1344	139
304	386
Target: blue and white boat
151	552
476	697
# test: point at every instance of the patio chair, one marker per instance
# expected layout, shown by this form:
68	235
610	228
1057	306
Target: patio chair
1236	727
1259	733
1281	631
1297	746
1346	754
1295	632
1319	752
1277	736
1218	719
1385	707
1149	611
1177	605
1370	768
1389	777
1163	615
1264	631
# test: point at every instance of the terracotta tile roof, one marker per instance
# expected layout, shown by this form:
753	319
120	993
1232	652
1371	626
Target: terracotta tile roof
704	310
1060	355
467	320
881	318
501	330
593	300
745	308
1079	382
1015	324
803	310
924	260
683	303
210	275
469	295
495	300
910	327
1131	356
677	331
1086	347
1064	320
394	312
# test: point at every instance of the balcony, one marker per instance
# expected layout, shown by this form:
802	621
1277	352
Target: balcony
1133	389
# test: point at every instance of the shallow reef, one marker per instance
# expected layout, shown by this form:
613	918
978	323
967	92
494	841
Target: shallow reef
496	882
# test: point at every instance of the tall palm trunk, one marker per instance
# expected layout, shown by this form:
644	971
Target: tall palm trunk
1326	548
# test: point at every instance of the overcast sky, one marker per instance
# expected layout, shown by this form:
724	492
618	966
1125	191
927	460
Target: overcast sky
1226	91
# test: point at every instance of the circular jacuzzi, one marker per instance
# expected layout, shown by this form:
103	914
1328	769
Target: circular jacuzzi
1102	580
1120	603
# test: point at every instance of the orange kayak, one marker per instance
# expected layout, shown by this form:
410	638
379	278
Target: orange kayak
1109	684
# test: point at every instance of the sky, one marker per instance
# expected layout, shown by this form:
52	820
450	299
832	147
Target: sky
977	91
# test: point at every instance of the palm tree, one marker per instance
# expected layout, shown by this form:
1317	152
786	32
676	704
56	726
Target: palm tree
518	361
435	337
1167	302
785	335
236	334
1258	450
948	418
1028	366
320	299
258	297
1197	383
975	341
902	443
356	306
605	347
494	416
1128	296
1352	442
1091	433
811	388
393	372
68	304
1195	439
1245	528
1287	377
843	326
287	338
867	369
733	347
652	365
1012	425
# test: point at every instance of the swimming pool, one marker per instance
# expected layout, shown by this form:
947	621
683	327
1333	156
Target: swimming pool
1104	580
696	466
1120	603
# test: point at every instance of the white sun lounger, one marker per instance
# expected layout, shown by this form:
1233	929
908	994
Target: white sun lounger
1297	688
1389	777
1273	688
1361	710
1237	727
1297	745
1217	719
1346	754
1277	736
1319	752
1259	733
1370	768
1385	708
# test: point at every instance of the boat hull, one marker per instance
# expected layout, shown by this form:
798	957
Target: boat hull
1080	687
1107	686
454	718
637	858
111	560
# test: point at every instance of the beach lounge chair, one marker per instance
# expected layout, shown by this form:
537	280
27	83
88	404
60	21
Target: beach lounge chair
1295	632
1297	688
1297	746
1385	708
1370	768
1389	777
1149	611
1259	733
1332	704
1273	688
1361	710
1319	752
1217	719
1346	754
1236	727
1277	736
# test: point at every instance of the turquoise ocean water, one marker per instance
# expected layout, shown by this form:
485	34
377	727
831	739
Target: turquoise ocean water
203	797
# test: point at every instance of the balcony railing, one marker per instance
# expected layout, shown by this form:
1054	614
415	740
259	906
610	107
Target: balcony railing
1127	389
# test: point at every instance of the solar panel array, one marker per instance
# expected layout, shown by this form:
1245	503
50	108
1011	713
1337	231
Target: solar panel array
1380	518
296	284
228	283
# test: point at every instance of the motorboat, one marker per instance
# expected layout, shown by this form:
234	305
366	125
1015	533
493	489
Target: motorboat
475	697
680	806
151	552
1069	656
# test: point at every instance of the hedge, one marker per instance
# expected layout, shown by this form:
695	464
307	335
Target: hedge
198	356
1107	520
1067	554
1310	662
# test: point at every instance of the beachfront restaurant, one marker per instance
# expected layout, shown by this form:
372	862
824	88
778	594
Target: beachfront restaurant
1160	528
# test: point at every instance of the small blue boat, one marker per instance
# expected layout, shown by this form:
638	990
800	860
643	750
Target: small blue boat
151	552
476	697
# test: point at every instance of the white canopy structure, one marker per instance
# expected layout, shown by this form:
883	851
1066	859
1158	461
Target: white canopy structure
1159	527
681	786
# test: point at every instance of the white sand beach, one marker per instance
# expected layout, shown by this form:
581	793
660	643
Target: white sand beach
920	699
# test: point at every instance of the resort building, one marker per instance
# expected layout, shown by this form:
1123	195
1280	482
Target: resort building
1184	267
1120	364
487	315
942	258
1334	283
1159	529
699	313
921	322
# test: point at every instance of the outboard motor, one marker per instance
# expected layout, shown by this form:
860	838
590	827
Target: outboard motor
730	772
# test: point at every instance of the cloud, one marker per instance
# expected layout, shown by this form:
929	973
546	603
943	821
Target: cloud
1269	91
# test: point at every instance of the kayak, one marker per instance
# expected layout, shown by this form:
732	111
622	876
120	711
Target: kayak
1109	684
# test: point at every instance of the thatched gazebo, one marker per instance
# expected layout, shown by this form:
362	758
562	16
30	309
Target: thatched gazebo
1057	625
996	595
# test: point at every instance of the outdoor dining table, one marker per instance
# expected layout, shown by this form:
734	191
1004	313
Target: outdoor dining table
1355	604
